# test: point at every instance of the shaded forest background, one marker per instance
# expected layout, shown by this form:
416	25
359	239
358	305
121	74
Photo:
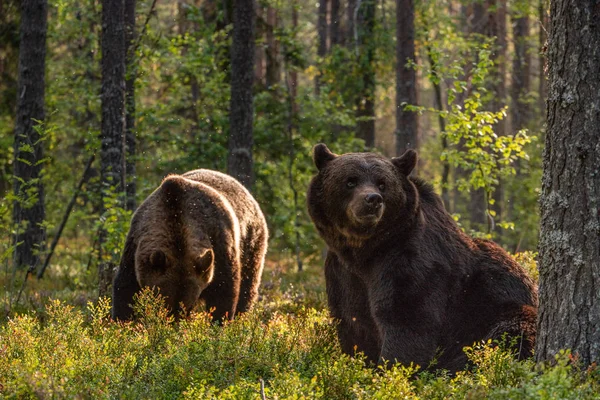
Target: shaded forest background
470	100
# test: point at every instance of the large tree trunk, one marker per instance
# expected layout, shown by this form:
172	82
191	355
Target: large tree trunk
366	61
240	161
406	80
130	104
569	262
113	115
28	149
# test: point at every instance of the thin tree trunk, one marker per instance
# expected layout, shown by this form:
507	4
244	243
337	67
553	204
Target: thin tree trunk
113	116
240	160
351	16
130	135
29	213
322	31
334	25
407	136
497	29
273	71
366	62
520	107
439	105
569	262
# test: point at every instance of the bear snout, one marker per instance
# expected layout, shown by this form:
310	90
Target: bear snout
374	200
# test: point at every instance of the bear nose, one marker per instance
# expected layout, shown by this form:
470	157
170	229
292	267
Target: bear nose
374	199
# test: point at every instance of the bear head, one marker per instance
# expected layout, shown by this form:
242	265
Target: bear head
174	255
357	194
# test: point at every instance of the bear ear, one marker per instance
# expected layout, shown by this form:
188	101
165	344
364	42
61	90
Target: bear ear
406	162
204	261
158	260
173	187
322	155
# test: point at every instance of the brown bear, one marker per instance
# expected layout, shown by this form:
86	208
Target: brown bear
403	281
199	238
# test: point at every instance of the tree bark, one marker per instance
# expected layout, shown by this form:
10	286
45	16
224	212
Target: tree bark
569	261
28	147
240	160
130	134
113	115
407	136
366	61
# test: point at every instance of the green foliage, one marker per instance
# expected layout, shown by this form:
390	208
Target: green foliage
113	224
69	351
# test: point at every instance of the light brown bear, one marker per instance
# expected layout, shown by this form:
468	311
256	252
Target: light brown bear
200	238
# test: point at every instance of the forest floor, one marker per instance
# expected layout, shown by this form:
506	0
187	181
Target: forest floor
59	342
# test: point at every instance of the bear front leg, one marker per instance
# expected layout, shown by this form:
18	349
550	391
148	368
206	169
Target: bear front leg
253	260
409	318
221	295
407	344
125	284
349	304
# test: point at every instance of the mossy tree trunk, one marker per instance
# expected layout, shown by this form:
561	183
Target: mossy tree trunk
569	261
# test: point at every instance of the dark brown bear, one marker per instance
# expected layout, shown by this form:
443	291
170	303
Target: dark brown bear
199	238
405	283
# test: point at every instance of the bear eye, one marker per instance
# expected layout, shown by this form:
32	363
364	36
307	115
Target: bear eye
381	186
351	183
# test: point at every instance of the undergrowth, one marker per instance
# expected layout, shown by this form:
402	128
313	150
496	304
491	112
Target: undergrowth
287	344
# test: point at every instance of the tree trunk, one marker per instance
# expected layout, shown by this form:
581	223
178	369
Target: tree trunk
240	161
406	79
569	262
520	108
439	105
497	29
351	15
130	140
322	32
273	71
113	115
334	25
366	62
28	148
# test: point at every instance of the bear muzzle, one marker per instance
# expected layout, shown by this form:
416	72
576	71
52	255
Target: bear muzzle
366	212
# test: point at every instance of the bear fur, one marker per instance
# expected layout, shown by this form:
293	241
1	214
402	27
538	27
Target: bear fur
199	238
403	281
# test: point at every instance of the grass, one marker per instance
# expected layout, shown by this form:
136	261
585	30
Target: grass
55	346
